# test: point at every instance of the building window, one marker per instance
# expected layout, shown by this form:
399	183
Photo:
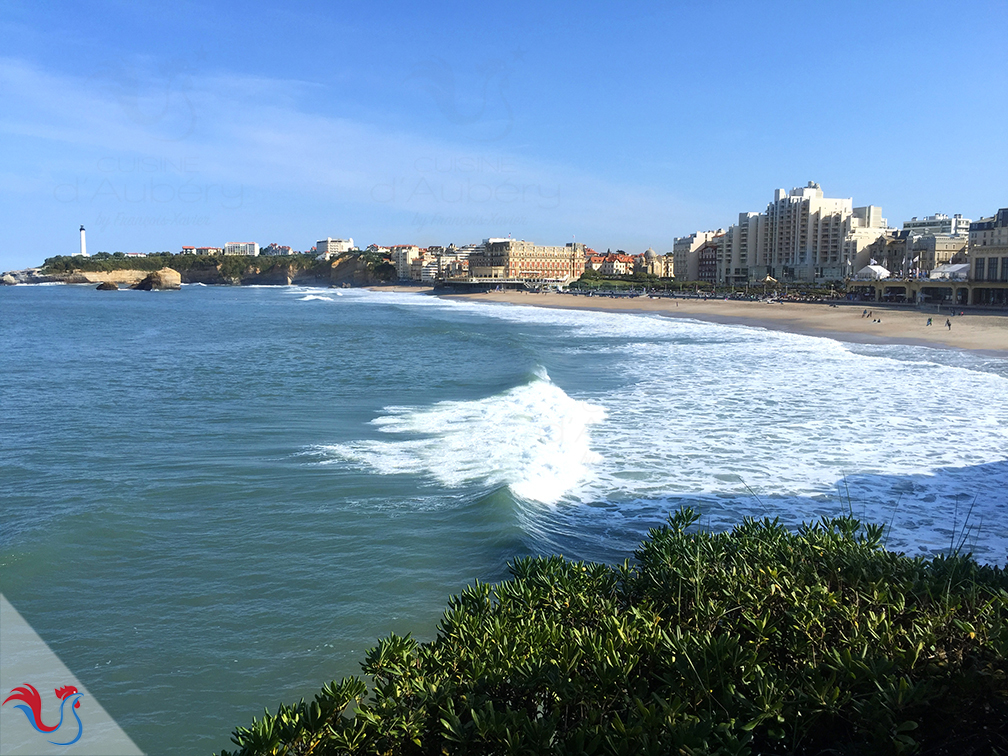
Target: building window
978	272
992	269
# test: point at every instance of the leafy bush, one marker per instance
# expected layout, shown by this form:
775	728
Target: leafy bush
755	641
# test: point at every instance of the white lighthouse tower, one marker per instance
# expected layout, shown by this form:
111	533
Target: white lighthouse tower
83	244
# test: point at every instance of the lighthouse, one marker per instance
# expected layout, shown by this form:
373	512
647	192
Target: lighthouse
83	244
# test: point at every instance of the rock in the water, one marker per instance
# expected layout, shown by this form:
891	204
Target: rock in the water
166	278
107	286
8	280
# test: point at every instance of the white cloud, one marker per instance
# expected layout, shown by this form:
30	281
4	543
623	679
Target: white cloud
130	136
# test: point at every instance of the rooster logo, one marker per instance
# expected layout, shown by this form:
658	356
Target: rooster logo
32	708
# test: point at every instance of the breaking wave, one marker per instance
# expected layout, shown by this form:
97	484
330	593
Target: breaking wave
314	298
534	438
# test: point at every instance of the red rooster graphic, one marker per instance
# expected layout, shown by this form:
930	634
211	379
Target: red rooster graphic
33	710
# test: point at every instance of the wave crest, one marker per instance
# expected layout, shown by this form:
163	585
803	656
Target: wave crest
534	438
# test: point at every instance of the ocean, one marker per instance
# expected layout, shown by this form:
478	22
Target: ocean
217	499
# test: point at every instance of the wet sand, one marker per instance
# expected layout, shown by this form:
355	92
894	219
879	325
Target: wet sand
983	333
403	287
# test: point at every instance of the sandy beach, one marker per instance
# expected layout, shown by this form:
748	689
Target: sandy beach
975	332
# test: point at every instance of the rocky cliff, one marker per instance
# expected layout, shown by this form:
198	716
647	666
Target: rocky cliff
352	271
160	280
234	271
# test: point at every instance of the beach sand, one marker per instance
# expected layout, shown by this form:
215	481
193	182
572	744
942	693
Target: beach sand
975	332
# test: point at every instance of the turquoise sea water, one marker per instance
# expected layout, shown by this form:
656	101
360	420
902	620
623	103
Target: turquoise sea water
217	499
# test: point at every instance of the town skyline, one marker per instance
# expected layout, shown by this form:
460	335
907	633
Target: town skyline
428	239
802	235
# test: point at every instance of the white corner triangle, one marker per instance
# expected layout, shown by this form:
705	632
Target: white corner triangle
27	667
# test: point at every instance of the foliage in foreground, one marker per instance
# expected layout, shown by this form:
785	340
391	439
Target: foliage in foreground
756	641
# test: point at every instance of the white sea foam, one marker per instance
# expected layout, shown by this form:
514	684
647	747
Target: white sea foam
534	438
315	298
742	420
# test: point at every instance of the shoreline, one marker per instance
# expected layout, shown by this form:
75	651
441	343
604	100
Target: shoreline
983	334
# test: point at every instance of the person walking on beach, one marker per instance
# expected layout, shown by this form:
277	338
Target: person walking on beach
929	321
948	324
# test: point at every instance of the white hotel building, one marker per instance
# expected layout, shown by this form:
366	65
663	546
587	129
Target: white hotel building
250	249
328	248
802	236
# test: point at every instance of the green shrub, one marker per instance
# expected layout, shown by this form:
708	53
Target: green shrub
755	641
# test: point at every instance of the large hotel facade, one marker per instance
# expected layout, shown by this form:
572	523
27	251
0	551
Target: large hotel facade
512	259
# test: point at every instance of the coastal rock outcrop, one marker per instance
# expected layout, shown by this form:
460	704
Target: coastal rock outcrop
122	277
352	271
166	278
8	280
28	276
107	286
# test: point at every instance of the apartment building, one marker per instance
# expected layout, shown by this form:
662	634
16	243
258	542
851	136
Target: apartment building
617	264
425	267
452	261
276	250
938	224
403	256
888	251
522	260
707	259
249	249
326	249
803	234
862	227
929	251
737	248
988	247
685	262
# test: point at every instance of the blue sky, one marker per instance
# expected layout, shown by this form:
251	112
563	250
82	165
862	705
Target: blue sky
158	125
